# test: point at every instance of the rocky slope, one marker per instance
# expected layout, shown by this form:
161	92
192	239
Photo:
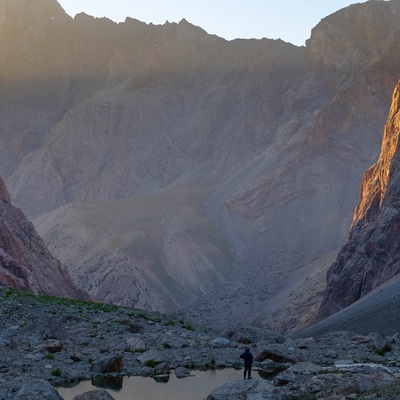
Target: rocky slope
377	310
25	262
155	253
227	171
47	341
371	255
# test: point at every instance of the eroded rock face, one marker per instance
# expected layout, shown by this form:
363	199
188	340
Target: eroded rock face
25	262
372	254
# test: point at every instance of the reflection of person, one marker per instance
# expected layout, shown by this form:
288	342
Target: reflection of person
248	361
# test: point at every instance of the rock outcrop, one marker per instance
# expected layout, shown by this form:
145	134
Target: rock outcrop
371	255
165	165
25	262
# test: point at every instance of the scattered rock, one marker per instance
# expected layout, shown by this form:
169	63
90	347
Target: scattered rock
151	357
162	369
247	389
219	342
133	326
135	343
25	388
76	356
47	327
108	364
182	372
94	395
52	346
275	355
339	365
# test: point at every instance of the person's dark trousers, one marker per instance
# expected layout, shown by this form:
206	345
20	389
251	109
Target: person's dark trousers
247	370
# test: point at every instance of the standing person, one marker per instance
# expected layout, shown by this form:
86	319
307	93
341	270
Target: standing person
248	361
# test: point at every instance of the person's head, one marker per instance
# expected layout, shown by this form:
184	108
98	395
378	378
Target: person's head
247	350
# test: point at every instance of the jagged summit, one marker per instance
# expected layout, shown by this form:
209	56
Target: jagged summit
35	9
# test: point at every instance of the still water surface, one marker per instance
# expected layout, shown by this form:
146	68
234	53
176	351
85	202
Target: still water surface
196	387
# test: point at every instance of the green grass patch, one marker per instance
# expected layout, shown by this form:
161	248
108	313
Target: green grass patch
151	363
56	372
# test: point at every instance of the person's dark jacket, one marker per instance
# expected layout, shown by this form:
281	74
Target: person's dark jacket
247	357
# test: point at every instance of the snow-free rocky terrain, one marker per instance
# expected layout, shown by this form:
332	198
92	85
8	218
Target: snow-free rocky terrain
47	341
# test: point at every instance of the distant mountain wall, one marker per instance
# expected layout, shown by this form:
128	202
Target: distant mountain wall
226	169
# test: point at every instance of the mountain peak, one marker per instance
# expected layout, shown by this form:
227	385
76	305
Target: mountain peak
45	8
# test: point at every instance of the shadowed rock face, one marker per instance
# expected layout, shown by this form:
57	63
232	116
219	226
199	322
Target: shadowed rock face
371	255
161	162
25	262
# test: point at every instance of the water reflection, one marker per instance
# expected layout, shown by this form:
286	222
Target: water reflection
161	378
108	382
198	386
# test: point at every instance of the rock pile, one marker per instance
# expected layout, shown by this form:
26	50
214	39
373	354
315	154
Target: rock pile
46	341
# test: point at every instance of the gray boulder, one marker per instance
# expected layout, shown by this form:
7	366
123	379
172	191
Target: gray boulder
276	356
219	343
182	372
52	346
28	389
108	364
162	369
94	395
358	384
135	343
379	343
152	355
247	389
47	327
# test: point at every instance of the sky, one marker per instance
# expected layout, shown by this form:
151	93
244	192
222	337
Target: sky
289	20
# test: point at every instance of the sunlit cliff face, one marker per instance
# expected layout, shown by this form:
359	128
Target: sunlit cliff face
371	255
375	180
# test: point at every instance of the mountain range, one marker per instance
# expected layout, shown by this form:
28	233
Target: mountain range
172	170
